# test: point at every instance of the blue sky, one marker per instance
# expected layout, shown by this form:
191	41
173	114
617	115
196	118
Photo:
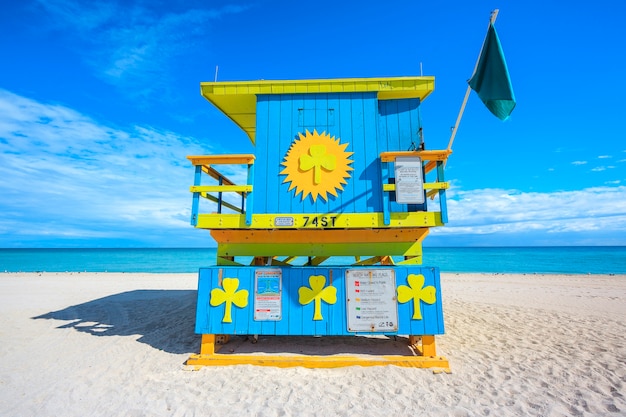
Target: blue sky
100	104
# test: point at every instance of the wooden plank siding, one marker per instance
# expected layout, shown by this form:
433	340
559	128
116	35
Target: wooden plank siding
297	319
367	125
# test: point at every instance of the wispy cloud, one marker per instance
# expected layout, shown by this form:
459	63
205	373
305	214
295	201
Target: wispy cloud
71	178
132	43
68	175
604	157
490	211
602	168
579	162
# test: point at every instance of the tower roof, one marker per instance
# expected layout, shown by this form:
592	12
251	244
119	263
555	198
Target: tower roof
237	99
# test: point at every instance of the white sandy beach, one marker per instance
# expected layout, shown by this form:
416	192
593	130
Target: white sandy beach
109	344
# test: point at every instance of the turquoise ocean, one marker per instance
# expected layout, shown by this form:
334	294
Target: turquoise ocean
565	260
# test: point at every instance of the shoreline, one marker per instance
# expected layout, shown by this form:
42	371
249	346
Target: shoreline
447	273
520	344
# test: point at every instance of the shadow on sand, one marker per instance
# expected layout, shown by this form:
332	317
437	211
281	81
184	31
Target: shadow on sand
165	319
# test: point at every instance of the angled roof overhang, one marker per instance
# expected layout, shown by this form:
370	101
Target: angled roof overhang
237	99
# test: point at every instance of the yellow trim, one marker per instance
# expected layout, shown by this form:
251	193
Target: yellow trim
436	186
411	261
276	261
369	261
313	361
424	356
224	203
322	249
430	166
341	220
427	186
212	172
428	346
220	188
237	99
207	345
318	260
434	155
315	237
210	344
221	159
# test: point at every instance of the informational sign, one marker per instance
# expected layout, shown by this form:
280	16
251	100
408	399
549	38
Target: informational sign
283	221
371	300
268	289
409	180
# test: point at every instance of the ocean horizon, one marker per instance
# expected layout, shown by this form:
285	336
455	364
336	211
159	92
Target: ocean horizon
525	260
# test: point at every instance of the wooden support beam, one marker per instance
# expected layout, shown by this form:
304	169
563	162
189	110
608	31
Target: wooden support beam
434	155
316	361
427	359
207	344
428	346
208	160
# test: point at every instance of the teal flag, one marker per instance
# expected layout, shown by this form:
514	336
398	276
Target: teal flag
491	79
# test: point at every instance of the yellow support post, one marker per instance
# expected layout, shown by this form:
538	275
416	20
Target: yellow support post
428	346
207	344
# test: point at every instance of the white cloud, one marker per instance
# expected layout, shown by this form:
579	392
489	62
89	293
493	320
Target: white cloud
604	156
132	43
69	175
579	162
490	211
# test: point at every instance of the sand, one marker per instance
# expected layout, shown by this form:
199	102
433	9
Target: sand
108	344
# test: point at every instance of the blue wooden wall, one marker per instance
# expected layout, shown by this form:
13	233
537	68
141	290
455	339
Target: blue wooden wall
297	319
368	125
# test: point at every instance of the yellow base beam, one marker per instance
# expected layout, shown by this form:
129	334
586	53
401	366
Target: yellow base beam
326	250
312	361
316	237
312	221
424	346
323	243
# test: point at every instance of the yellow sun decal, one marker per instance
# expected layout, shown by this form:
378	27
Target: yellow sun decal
317	164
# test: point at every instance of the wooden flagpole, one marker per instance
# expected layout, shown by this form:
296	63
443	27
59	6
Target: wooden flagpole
492	20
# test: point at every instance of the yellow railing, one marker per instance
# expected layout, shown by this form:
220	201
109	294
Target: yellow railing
430	160
204	165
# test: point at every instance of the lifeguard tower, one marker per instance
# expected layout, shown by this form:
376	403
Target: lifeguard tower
324	235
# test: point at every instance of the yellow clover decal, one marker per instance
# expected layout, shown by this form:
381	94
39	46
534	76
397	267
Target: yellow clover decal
416	293
316	160
316	165
230	296
317	293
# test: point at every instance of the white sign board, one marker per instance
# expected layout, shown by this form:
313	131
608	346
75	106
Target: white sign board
268	289
409	180
371	300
